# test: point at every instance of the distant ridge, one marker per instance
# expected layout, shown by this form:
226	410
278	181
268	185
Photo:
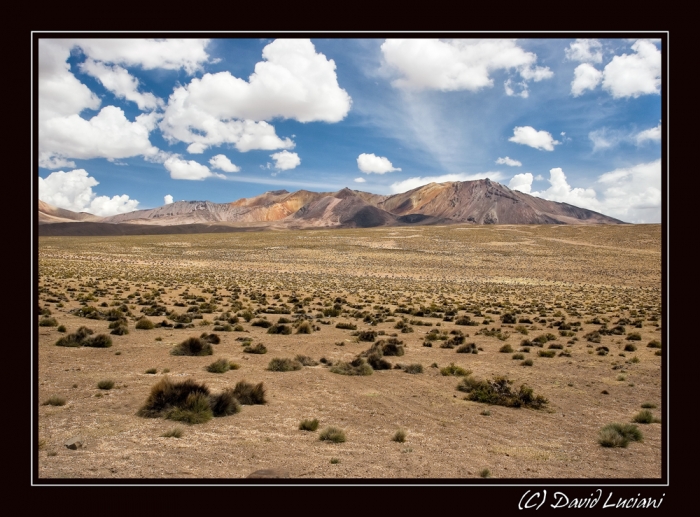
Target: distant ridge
473	202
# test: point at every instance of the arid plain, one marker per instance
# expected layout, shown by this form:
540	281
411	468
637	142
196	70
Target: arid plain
587	296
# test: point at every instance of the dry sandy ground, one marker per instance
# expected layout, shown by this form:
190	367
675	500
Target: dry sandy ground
553	273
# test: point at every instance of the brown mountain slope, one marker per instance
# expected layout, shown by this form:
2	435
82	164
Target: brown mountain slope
344	209
51	214
487	202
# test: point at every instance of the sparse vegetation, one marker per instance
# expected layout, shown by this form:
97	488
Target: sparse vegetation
332	434
619	435
105	384
54	400
193	346
309	425
499	392
284	365
399	436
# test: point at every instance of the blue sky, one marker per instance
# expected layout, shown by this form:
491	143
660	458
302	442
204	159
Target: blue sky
129	124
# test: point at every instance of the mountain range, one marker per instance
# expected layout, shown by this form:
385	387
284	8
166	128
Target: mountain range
473	202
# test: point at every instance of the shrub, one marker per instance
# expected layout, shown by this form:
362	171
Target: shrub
48	322
648	405
453	369
498	392
634	336
225	403
305	360
519	356
527	362
151	371
556	346
257	349
304	328
346	326
332	434
469	348
654	343
413	368
175	432
144	324
61	328
356	367
284	365
465	320
98	341
335	461
644	417
630	347
262	323
309	425
546	353
196	409
214	339
105	384
193	346
247	315
367	335
508	318
219	366
399	436
54	400
485	473
506	349
619	435
602	350
247	394
120	330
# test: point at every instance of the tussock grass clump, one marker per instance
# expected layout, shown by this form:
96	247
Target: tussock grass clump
527	362
151	371
144	324
468	348
249	394
506	349
346	326
465	320
413	368
54	400
193	346
304	328
120	329
619	435
453	369
214	339
98	341
654	343
284	365
645	417
499	392
485	473
262	323
546	353
306	360
399	436
308	425
332	434
634	336
257	349
48	322
105	384
630	347
166	395
196	409
175	432
224	403
279	329
219	366
61	328
367	335
648	405
356	367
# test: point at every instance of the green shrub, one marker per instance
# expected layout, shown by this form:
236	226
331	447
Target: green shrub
98	341
144	324
193	346
248	394
283	365
485	473
332	434
54	400
105	384
518	356
630	347
644	417
555	346
399	436
196	409
469	348
654	343
498	392
175	432
309	425
527	362
304	328
262	323
506	349
367	335
257	349
619	435
152	371
356	367
48	322
546	353
305	360
346	326
61	328
120	330
634	336
413	368
214	339
219	366
225	403
452	369
648	405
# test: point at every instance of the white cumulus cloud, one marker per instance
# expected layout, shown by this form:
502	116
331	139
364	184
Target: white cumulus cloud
411	183
168	199
284	160
649	135
527	135
360	180
293	82
222	163
586	77
120	82
509	161
73	191
461	64
521	182
187	169
370	163
632	75
585	51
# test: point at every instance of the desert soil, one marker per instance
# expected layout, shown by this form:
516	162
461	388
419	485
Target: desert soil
546	274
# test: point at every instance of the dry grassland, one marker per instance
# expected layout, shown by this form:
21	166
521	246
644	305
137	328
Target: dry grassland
587	287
